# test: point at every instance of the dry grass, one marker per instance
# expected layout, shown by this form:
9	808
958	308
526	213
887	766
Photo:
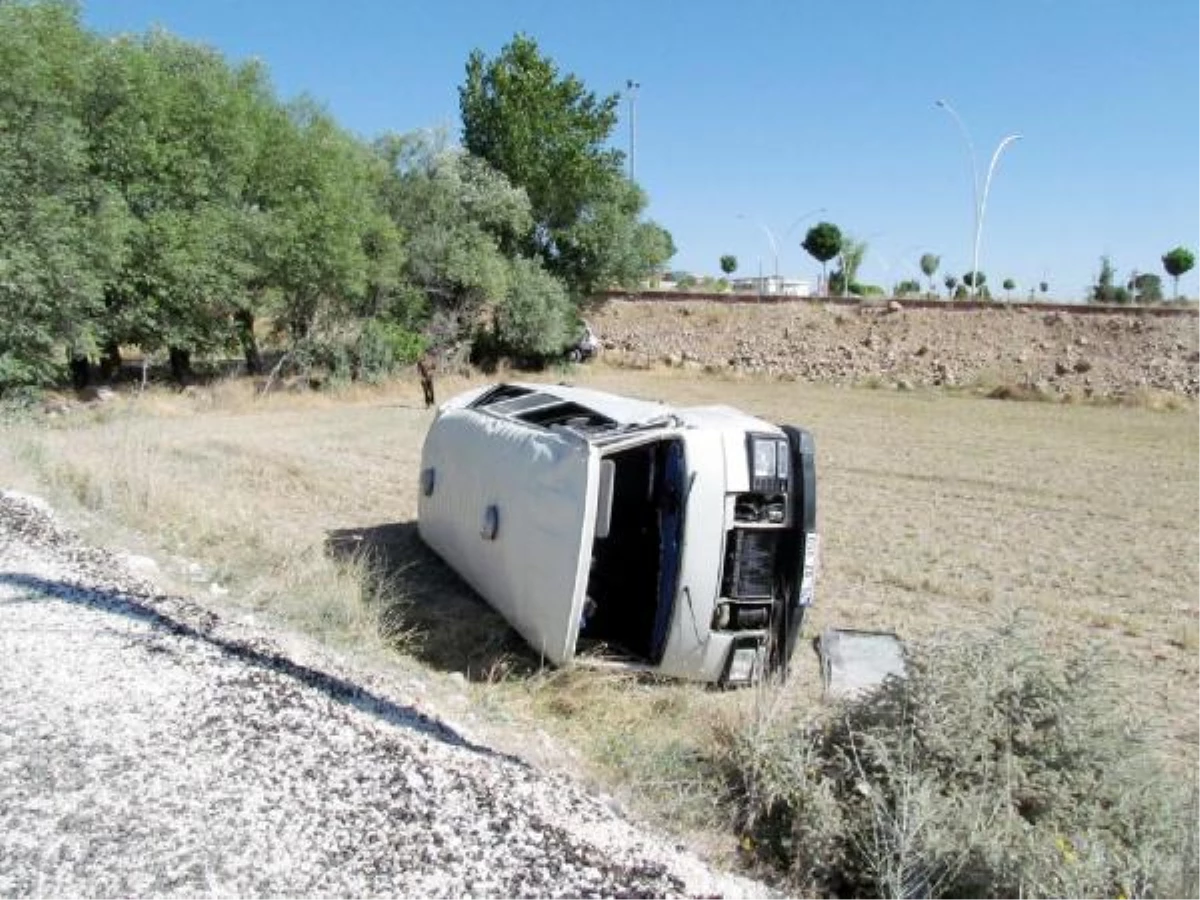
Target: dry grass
937	511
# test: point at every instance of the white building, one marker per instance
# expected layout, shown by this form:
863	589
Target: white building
771	284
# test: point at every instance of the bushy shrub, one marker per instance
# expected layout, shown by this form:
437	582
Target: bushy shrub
383	347
990	770
535	316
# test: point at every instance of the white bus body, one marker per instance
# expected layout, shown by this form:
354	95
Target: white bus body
681	541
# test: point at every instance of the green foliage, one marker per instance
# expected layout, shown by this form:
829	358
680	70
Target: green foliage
1009	285
951	283
929	265
608	246
990	770
153	194
454	210
383	347
1146	288
974	280
1178	262
535	318
908	286
61	230
1104	290
729	263
547	134
168	131
823	242
323	215
850	258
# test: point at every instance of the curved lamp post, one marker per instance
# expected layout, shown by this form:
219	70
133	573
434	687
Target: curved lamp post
979	201
806	216
774	246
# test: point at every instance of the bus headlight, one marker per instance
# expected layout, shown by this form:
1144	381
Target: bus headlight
769	468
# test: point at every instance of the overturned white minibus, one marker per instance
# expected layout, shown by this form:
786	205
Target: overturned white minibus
679	541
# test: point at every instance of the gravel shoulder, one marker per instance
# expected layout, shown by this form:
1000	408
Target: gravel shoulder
149	747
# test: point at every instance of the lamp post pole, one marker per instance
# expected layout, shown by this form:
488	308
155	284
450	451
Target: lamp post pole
979	202
631	89
774	248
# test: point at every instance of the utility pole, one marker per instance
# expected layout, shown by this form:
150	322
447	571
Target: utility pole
631	89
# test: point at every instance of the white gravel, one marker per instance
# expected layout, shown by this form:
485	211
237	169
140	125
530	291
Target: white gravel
150	748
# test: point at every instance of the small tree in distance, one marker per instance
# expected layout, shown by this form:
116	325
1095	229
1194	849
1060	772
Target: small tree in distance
729	264
823	242
951	283
974	280
1146	288
1009	285
1178	262
1105	289
929	265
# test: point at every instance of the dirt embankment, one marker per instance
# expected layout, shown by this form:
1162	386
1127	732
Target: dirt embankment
1094	355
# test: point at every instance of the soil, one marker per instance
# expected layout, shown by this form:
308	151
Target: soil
1019	351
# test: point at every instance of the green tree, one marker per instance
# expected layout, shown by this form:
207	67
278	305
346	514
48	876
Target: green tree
823	242
974	280
1043	286
1146	288
547	134
850	258
1178	262
535	317
61	230
451	207
951	283
609	246
1009	286
1105	290
908	286
170	130
929	266
729	263
326	231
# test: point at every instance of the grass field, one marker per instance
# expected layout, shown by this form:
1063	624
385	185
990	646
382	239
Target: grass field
937	512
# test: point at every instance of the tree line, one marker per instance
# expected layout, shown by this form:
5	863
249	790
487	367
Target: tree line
154	195
826	242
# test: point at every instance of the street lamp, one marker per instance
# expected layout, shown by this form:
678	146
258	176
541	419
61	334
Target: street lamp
807	215
774	248
980	202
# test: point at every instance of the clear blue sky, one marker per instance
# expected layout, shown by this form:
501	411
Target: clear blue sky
768	110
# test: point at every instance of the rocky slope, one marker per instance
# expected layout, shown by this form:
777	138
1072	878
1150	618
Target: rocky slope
1006	349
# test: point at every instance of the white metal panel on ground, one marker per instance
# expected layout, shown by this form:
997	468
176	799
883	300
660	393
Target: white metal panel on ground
542	485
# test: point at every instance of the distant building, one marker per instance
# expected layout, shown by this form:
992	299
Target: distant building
770	284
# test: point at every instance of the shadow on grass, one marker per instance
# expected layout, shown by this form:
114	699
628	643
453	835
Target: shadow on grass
455	631
196	623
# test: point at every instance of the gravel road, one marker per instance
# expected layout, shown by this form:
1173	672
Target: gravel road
149	747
